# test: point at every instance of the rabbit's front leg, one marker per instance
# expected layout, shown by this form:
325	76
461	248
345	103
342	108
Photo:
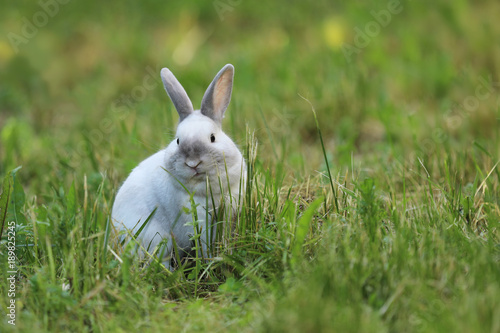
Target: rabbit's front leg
205	231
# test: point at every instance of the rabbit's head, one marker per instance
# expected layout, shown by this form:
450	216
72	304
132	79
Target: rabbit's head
201	148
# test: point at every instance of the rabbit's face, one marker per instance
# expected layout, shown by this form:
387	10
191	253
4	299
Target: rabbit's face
201	150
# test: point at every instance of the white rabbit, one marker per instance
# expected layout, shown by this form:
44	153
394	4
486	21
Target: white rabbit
201	157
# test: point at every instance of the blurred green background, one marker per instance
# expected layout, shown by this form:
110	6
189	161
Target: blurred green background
80	90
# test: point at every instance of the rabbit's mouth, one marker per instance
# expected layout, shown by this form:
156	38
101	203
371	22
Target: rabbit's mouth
198	174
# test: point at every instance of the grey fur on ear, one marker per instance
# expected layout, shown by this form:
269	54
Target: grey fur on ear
177	94
218	95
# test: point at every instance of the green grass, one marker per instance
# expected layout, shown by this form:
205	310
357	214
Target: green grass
373	202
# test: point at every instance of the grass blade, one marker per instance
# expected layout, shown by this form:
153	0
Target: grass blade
302	230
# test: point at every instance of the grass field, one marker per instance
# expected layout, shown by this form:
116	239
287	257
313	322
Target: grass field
373	134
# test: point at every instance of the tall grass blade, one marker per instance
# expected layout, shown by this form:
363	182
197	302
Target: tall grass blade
324	155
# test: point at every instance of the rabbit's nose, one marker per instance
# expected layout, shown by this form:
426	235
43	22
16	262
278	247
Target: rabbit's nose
193	164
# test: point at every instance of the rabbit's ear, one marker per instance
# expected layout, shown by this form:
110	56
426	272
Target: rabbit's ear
218	94
176	93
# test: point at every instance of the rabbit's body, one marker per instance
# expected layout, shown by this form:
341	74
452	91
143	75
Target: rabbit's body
201	158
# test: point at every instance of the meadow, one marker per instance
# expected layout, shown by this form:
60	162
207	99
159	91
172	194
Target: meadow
372	134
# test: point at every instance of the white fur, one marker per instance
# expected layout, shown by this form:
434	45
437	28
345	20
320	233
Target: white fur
195	162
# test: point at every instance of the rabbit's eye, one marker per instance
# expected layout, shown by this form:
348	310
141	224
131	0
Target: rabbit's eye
212	138
177	140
